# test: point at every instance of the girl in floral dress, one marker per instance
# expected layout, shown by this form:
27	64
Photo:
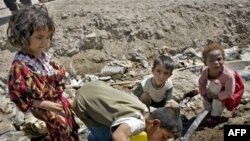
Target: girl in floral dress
35	82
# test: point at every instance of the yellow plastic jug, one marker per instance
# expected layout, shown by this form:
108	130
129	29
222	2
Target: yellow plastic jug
140	137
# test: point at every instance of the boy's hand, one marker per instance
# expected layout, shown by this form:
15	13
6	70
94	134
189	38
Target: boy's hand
145	98
172	103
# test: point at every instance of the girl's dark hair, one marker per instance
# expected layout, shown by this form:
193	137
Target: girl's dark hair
27	20
166	61
211	47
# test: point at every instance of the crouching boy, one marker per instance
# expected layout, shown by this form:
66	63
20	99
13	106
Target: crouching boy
113	115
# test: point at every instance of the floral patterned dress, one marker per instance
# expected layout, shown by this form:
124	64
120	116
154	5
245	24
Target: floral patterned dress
41	79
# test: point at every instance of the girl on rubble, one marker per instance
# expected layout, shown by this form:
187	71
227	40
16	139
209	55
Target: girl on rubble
35	82
220	86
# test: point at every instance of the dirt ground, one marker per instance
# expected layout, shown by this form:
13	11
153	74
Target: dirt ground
91	33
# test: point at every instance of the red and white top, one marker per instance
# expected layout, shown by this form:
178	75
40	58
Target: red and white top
226	81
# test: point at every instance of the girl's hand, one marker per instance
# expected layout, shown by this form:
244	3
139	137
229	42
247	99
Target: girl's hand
212	96
48	105
208	99
52	106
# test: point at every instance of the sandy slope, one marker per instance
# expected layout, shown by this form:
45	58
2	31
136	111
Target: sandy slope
145	26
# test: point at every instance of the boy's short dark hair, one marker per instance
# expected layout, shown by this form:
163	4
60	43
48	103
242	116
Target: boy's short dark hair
166	61
170	119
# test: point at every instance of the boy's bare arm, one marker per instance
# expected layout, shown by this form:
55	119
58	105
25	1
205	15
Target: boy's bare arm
122	133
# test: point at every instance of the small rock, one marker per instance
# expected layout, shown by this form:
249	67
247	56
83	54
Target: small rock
64	16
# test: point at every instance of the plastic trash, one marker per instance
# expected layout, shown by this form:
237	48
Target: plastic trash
245	74
195	125
140	137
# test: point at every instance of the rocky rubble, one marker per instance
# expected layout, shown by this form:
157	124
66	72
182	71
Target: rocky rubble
185	79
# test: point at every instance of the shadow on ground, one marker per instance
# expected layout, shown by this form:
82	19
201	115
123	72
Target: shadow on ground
4	20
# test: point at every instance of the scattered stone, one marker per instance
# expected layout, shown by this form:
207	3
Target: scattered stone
111	69
64	16
90	77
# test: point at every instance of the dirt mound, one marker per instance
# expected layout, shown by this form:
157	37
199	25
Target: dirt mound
113	29
91	33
